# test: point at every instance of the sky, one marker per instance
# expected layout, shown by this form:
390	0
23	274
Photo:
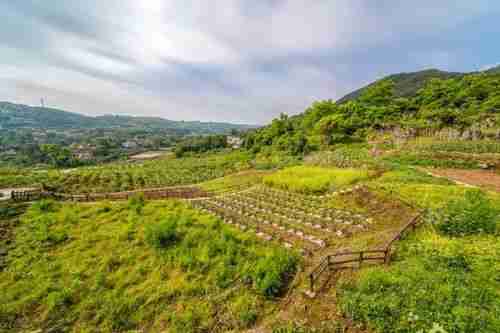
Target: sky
229	60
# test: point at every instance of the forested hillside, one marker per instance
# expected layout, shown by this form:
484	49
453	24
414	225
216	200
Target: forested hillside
14	116
458	101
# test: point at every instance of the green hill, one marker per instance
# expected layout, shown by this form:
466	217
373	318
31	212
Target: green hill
405	84
14	116
426	100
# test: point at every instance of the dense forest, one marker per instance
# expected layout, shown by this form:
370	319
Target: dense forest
426	100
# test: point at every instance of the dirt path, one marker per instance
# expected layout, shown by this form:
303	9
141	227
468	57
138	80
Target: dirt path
482	178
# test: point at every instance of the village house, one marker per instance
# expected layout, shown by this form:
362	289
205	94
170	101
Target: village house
234	142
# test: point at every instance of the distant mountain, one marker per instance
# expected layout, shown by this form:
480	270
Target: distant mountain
406	84
493	70
13	116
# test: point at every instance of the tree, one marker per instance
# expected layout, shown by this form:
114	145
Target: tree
57	155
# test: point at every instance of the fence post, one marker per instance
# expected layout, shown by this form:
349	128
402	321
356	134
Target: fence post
311	282
360	259
387	255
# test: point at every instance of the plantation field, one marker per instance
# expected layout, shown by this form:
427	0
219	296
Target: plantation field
125	176
157	266
460	146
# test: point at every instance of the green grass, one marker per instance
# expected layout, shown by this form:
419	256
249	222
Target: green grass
430	159
154	266
449	285
17	177
439	281
234	181
342	156
307	179
460	146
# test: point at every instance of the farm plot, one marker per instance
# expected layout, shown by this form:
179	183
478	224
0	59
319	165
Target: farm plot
118	177
296	221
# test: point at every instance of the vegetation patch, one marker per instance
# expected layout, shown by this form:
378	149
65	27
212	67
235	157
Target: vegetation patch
314	180
234	181
472	214
156	266
437	284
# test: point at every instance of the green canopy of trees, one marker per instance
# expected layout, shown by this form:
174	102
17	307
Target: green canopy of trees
457	102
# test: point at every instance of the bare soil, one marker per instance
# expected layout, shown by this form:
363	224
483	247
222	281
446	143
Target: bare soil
482	178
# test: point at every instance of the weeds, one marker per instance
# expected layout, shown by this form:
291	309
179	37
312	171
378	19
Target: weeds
88	274
469	215
314	180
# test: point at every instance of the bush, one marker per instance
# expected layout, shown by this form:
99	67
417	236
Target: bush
472	214
136	202
271	273
162	234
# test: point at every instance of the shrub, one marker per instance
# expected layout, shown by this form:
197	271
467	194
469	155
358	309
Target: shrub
472	214
45	206
162	234
136	202
271	272
58	299
245	309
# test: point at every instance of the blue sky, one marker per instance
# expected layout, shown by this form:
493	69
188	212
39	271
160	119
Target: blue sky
238	61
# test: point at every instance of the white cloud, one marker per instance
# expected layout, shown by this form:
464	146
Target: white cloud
245	60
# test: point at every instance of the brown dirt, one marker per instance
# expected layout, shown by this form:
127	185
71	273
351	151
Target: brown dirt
483	178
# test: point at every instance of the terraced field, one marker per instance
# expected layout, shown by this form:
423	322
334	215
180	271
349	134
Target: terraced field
297	221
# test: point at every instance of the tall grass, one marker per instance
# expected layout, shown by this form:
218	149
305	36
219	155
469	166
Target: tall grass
437	284
113	267
314	180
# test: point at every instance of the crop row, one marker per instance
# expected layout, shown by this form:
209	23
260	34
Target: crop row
160	173
264	212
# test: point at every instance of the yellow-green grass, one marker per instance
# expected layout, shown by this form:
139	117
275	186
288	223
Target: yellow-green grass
434	284
234	181
108	267
308	179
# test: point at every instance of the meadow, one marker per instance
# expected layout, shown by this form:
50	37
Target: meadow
158	266
443	278
314	180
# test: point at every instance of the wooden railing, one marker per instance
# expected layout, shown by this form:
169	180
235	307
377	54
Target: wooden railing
27	195
355	259
180	193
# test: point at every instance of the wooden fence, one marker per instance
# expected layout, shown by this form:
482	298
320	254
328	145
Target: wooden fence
27	195
180	192
355	259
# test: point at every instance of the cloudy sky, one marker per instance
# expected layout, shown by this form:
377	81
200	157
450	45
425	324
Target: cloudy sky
240	61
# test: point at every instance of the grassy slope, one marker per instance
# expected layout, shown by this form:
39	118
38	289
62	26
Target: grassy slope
91	268
436	282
